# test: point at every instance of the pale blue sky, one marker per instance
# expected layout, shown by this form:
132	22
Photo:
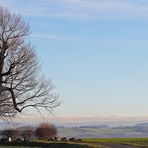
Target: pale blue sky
95	52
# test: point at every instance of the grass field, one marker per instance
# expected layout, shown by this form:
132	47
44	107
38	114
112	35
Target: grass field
140	142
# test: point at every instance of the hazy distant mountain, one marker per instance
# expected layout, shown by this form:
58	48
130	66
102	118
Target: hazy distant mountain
142	124
95	126
22	128
90	130
105	131
6	125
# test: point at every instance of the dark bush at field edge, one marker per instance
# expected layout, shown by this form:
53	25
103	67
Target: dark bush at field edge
40	144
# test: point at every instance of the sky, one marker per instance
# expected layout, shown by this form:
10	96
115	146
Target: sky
95	52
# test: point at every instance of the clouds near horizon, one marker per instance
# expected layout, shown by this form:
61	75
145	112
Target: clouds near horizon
32	118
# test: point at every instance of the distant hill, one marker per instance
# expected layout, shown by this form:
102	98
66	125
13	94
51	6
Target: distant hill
22	128
95	126
90	130
6	125
105	131
142	124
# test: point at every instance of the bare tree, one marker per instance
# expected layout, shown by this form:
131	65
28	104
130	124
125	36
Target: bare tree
21	86
46	130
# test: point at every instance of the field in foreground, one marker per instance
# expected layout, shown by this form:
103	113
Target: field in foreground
86	143
46	144
119	142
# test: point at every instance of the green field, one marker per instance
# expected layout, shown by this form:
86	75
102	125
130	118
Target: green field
135	142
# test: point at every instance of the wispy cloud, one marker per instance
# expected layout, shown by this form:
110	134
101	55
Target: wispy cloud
80	118
79	9
55	37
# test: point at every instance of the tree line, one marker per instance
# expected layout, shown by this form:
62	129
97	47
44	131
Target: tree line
43	131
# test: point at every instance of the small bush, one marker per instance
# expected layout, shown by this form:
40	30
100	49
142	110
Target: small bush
12	133
19	140
27	134
4	140
51	139
64	139
73	139
79	140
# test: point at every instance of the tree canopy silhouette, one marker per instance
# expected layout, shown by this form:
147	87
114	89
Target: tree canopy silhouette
21	84
46	130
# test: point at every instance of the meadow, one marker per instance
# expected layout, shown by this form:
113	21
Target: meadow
113	142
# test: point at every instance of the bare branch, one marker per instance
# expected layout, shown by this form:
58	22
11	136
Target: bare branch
21	85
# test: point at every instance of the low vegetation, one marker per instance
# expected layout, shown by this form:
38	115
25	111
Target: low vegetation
45	131
45	135
137	142
47	144
85	143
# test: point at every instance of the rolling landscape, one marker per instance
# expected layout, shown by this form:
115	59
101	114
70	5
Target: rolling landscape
105	131
93	130
92	135
73	74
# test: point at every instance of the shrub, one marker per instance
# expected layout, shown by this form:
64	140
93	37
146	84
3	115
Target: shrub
45	131
79	140
51	139
12	133
73	139
64	139
18	140
27	134
4	140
